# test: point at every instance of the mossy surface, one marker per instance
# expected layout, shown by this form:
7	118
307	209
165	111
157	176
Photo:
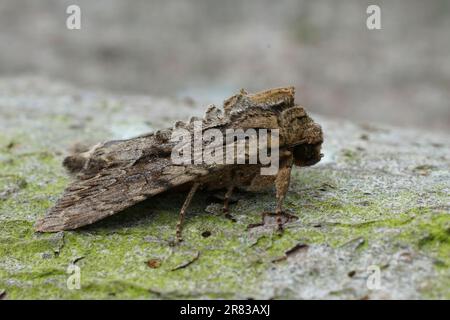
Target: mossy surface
379	201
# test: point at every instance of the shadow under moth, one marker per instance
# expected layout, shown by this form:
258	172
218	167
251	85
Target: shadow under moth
115	175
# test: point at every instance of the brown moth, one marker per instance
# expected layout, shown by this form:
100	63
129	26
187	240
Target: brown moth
115	175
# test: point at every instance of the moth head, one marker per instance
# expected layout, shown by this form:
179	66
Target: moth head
304	136
307	154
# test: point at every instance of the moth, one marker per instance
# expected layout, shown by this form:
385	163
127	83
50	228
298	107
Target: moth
115	175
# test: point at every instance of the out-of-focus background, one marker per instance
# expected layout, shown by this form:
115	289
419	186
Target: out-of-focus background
207	50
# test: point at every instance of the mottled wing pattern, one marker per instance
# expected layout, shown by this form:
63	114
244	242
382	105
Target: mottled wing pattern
112	190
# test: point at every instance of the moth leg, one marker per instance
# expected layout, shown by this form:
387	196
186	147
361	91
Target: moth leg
226	203
183	211
282	186
282	181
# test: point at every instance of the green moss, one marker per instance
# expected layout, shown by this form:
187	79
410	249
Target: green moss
431	233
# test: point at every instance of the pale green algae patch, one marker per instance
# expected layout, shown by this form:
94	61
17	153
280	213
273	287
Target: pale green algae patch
370	202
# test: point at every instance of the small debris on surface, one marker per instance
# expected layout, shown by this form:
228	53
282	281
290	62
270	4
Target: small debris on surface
405	256
354	244
424	169
298	248
75	260
154	263
2	294
206	234
187	263
351	274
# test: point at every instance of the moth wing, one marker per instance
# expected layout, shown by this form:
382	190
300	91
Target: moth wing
113	190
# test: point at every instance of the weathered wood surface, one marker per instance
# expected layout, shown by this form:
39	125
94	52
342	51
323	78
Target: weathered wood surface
380	197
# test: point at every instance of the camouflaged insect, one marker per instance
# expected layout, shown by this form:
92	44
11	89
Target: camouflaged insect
115	175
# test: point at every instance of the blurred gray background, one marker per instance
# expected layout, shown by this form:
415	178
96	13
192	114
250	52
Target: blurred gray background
208	50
